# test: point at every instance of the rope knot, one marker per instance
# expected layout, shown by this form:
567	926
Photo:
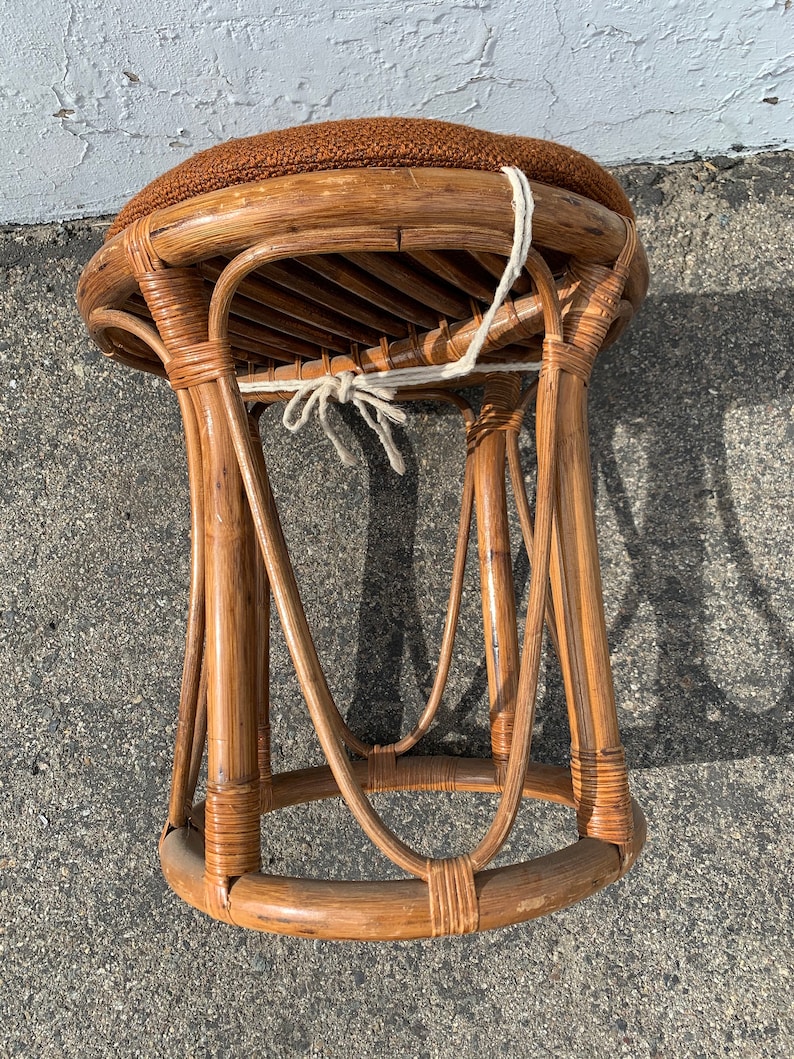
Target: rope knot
347	388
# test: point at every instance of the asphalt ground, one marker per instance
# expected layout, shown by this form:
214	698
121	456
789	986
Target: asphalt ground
692	424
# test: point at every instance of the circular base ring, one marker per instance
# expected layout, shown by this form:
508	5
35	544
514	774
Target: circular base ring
400	909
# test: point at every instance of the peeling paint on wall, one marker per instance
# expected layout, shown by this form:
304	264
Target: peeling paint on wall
99	97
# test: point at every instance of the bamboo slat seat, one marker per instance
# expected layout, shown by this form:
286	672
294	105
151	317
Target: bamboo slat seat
358	261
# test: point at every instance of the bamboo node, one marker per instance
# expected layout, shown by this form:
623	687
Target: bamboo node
454	907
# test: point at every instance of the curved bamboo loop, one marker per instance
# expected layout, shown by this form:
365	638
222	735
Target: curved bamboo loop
225	288
299	640
103	319
306	241
190	697
301	645
453	606
430	710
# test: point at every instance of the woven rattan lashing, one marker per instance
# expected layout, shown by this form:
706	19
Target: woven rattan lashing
297	260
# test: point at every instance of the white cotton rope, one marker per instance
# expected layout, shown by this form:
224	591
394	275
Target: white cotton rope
375	391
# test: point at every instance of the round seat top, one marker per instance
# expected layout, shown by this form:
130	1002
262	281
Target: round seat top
373	143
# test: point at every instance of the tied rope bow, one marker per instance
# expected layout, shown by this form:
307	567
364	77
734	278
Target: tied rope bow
347	387
367	394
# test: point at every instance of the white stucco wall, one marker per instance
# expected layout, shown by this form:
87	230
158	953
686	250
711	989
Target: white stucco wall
99	96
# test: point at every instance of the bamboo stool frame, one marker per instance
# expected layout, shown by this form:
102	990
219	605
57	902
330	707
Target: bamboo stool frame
213	293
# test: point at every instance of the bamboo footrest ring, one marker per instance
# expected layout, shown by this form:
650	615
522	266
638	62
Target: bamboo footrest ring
399	909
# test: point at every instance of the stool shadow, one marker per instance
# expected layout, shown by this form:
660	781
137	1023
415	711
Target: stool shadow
675	389
377	709
388	616
727	354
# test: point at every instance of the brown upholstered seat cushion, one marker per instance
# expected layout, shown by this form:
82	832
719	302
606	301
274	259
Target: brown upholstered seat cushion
372	142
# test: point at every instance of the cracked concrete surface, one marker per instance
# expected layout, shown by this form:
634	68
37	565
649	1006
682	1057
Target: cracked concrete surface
692	425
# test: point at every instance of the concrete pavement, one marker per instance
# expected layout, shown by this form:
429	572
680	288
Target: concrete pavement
692	426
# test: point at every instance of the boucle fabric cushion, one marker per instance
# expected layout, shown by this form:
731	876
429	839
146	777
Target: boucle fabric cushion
373	143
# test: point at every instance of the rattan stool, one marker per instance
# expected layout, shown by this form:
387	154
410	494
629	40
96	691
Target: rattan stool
365	261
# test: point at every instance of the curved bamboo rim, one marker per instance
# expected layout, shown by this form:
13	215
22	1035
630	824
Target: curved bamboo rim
399	909
232	219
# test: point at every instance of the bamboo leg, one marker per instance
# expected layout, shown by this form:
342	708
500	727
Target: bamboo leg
597	758
199	735
181	790
496	565
262	659
527	523
232	837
